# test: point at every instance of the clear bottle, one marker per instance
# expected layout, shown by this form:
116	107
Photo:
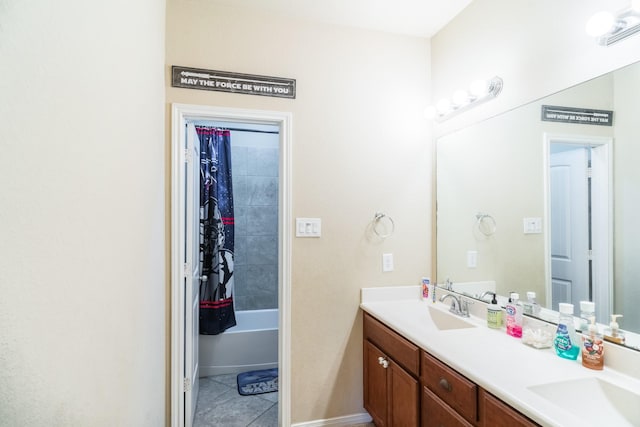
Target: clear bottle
587	311
513	311
566	342
531	306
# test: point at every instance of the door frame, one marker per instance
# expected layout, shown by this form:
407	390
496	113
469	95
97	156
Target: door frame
180	114
602	215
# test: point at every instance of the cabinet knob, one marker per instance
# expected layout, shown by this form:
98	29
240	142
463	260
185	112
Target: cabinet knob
444	384
383	361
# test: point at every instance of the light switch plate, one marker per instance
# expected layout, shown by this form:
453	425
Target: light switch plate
308	227
532	225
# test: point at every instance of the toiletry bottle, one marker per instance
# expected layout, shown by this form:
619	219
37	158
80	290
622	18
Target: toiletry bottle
587	311
592	347
426	287
514	315
613	333
494	314
566	344
531	306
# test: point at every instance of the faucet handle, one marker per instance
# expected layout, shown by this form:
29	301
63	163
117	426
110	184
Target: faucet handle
464	306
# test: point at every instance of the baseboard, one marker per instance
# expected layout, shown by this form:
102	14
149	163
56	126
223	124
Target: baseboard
348	420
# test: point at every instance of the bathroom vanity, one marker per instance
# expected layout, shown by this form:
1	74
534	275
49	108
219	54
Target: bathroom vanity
404	384
424	366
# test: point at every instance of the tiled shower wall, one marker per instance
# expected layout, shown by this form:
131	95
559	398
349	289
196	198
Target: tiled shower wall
254	160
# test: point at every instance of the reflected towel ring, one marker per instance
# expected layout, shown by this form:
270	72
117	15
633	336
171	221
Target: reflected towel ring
377	218
486	224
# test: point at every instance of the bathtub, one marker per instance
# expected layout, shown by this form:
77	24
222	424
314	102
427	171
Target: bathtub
251	344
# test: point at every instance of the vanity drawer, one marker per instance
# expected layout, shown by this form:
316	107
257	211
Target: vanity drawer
403	352
454	389
495	413
436	413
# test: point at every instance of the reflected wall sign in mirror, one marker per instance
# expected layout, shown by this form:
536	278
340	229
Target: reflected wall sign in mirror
511	167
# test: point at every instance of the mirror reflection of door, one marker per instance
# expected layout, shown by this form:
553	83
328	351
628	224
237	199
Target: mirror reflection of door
580	222
570	224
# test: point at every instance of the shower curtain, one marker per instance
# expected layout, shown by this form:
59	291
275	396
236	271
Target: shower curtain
216	231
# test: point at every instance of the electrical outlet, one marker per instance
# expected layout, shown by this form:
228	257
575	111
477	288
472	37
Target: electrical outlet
387	262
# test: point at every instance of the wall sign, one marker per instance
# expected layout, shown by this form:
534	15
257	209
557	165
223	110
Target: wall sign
223	81
552	113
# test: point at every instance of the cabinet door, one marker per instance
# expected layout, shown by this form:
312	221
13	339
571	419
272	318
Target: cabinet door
404	398
495	413
375	384
436	413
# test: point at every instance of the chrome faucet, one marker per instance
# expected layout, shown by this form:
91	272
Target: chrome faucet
448	284
485	293
459	306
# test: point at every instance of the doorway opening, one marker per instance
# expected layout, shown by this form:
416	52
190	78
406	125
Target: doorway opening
579	232
185	351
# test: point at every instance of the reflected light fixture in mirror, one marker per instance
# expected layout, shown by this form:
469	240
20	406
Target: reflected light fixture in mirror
608	28
479	92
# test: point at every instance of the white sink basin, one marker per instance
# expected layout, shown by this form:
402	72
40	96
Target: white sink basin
446	321
594	400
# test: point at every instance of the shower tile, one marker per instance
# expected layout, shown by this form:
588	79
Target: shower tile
261	191
262	161
262	250
240	250
263	287
239	160
241	214
262	220
242	302
240	191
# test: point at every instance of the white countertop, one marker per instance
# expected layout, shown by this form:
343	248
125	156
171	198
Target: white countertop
499	363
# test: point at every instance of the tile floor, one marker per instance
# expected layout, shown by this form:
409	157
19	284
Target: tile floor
220	404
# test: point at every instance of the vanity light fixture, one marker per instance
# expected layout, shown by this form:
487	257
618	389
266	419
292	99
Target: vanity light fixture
479	91
608	28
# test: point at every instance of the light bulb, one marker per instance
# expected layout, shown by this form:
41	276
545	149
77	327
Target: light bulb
599	24
460	98
478	88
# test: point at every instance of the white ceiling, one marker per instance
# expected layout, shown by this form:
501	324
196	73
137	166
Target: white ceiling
412	17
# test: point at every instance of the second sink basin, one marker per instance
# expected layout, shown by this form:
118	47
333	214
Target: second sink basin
447	321
597	401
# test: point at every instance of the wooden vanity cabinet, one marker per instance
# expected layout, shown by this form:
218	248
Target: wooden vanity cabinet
391	370
405	386
495	413
448	398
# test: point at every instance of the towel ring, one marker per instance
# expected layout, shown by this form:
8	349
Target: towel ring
486	224
377	219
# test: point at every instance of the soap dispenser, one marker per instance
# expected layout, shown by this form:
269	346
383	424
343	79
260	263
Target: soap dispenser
566	343
613	333
494	314
513	311
592	347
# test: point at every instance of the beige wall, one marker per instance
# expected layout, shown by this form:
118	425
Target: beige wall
360	145
82	305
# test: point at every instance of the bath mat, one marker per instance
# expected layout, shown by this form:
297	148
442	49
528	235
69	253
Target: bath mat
258	382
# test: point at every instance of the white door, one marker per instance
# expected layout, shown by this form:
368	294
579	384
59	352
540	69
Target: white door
569	226
192	273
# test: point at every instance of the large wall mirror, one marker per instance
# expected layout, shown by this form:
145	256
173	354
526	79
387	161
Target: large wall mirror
515	206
